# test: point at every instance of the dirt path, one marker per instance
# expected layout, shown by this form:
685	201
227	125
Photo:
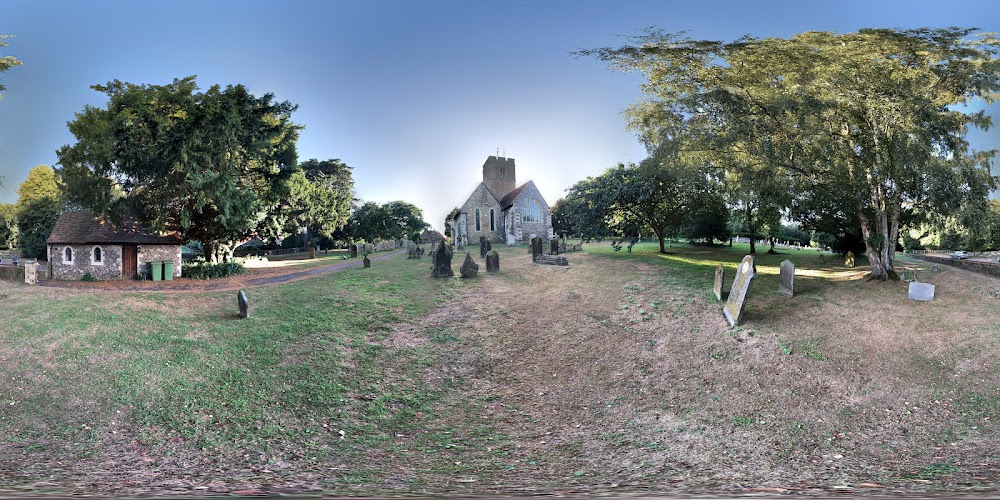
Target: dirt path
252	278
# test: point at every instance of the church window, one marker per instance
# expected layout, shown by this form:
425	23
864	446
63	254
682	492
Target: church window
478	227
532	212
97	257
68	256
493	220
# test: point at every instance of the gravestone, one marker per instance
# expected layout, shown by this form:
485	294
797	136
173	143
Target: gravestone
469	268
786	281
492	261
442	262
921	291
354	251
553	247
720	275
849	259
312	252
241	298
30	273
489	246
733	310
411	249
367	262
482	247
536	248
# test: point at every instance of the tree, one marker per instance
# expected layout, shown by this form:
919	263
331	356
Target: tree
8	225
6	62
39	202
873	114
320	196
212	164
393	220
585	208
407	220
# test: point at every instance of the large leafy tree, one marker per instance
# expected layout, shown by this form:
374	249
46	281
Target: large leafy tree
320	196
8	225
6	62
39	201
389	221
875	115
212	164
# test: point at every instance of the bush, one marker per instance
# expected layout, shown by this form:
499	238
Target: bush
88	277
201	270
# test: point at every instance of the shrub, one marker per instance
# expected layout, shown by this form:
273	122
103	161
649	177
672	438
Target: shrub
88	277
201	270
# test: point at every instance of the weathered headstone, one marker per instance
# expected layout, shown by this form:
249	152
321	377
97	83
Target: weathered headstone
921	291
536	248
469	268
442	262
482	247
30	273
367	262
354	251
720	275
241	298
849	259
312	252
489	246
733	310
554	247
492	261
786	280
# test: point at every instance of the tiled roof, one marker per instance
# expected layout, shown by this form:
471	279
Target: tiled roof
81	227
509	198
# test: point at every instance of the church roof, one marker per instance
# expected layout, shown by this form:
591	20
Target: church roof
509	198
81	227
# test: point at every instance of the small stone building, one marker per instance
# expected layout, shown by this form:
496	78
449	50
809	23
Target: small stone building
500	210
81	243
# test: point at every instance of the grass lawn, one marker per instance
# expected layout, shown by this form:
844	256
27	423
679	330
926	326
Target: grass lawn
618	373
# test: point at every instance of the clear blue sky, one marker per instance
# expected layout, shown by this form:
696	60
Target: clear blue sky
413	94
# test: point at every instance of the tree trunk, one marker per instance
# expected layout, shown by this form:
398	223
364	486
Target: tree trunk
208	247
659	237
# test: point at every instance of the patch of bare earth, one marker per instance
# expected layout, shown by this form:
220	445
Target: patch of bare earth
615	375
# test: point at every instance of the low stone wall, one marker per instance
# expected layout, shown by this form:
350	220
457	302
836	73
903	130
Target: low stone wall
987	268
12	273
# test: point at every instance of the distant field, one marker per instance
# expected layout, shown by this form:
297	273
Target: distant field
617	374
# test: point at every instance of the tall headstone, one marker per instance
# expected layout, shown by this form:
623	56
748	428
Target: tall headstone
442	262
733	310
469	268
849	259
312	252
367	262
786	280
720	275
553	247
921	291
354	250
492	261
241	298
536	248
482	247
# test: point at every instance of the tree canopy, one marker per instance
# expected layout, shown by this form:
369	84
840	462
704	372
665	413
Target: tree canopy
390	221
6	62
877	116
38	206
212	164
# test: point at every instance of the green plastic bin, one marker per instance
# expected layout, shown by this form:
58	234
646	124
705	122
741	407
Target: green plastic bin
157	268
168	270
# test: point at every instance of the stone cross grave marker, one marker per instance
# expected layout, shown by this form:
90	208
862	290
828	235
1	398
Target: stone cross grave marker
921	291
733	310
469	268
720	275
241	298
849	259
786	281
492	262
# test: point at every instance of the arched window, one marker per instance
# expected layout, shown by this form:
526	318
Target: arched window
532	211
478	226
68	256
97	258
493	220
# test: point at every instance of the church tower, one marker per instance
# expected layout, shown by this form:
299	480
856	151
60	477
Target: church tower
498	175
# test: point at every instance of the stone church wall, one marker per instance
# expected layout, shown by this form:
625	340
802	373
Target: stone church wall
110	267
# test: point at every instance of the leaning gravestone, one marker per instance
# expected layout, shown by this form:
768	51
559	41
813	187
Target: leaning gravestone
442	262
469	268
786	281
241	298
849	259
733	310
720	275
482	247
492	261
354	251
921	291
536	248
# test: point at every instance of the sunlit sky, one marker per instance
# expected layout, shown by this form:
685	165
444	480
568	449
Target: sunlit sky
413	94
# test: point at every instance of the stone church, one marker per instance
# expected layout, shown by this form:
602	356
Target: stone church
501	210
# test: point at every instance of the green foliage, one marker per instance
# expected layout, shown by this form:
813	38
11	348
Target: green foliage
8	225
448	218
393	220
202	270
38	206
6	62
88	278
317	196
212	164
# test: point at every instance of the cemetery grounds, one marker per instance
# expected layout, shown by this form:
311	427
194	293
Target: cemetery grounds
617	374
